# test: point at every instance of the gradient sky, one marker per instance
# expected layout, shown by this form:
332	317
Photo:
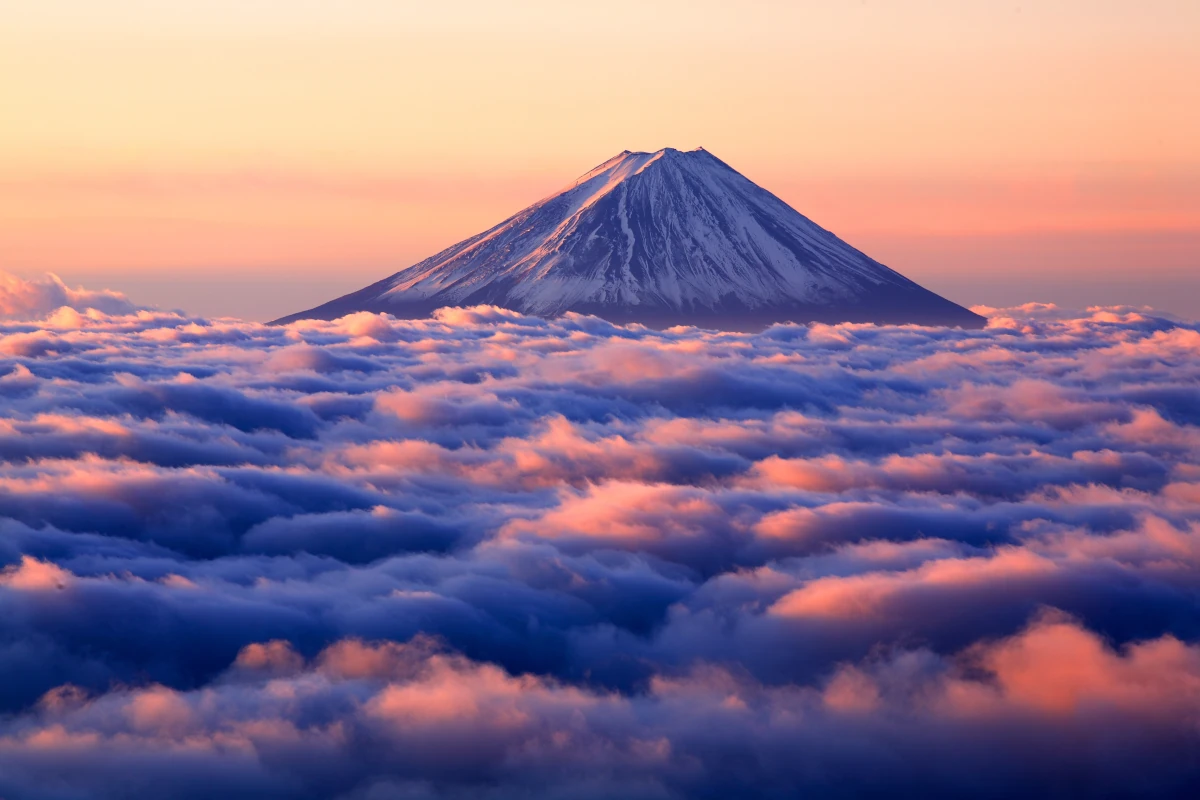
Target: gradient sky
997	152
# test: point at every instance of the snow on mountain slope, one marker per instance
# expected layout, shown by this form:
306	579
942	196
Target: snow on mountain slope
661	238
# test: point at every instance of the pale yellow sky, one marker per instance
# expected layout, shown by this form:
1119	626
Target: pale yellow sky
305	134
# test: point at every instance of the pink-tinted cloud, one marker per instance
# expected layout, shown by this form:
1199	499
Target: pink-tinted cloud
26	299
880	594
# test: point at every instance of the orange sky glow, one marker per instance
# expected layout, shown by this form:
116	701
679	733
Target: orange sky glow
964	143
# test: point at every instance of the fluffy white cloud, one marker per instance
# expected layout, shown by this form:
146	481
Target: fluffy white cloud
35	299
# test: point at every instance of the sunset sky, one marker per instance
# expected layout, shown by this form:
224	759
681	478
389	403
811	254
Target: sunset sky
761	520
997	152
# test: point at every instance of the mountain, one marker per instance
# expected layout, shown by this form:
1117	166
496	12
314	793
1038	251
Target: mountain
665	238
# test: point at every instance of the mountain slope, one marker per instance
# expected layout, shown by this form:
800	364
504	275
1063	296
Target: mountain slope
663	238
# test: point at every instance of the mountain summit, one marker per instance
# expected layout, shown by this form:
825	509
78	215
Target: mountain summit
665	238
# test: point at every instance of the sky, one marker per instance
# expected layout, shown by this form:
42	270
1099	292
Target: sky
254	157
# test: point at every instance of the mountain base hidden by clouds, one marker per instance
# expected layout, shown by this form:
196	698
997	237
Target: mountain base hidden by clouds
492	555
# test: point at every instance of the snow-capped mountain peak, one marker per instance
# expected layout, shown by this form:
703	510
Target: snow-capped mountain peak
663	238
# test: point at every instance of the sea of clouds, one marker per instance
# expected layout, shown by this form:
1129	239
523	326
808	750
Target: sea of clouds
489	555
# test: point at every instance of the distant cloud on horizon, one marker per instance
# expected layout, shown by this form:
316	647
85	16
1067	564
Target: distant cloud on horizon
21	298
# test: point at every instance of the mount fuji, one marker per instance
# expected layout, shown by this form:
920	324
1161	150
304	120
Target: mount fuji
665	238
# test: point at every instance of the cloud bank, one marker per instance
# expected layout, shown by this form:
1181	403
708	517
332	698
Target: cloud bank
32	299
487	555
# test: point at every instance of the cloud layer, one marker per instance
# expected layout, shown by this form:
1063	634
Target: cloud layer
486	555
